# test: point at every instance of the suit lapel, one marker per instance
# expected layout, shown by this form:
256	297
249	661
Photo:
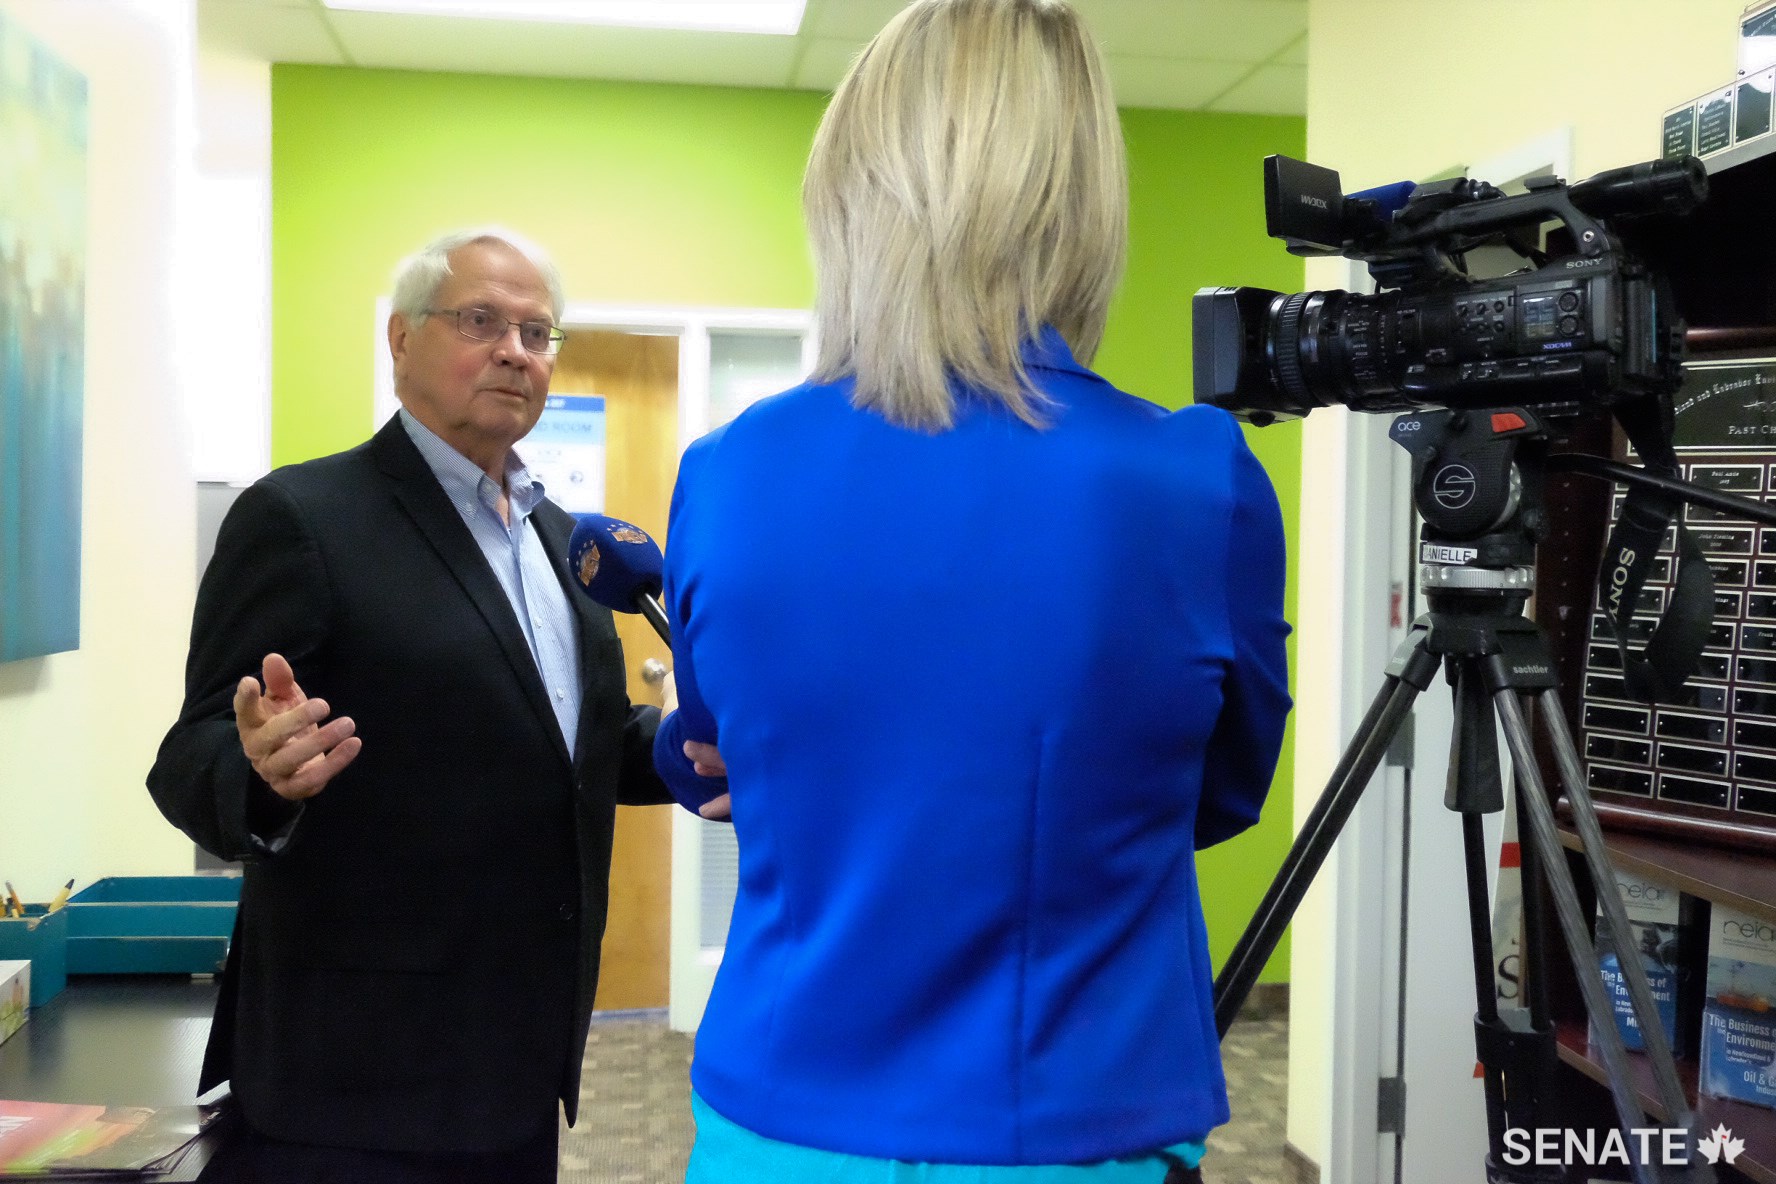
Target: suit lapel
555	527
418	491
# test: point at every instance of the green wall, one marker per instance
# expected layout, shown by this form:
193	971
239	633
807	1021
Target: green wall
1196	219
679	195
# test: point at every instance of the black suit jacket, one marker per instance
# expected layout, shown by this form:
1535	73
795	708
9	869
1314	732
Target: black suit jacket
413	969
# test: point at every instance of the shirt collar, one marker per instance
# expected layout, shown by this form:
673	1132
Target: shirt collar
463	479
1048	350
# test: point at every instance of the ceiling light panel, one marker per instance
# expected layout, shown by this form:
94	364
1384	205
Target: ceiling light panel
720	16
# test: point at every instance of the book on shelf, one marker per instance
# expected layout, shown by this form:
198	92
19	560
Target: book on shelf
73	1141
1661	932
1739	1014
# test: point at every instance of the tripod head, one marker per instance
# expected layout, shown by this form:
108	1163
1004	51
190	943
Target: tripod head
1477	480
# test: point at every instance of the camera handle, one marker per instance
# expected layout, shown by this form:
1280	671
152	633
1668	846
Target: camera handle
1478	579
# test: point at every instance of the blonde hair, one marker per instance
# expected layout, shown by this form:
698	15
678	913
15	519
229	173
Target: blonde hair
967	186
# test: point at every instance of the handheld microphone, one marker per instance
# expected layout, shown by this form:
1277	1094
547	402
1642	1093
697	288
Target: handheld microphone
620	567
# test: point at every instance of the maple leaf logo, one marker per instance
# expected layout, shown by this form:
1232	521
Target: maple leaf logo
1720	1145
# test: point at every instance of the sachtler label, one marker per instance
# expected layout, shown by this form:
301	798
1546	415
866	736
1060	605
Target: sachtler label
1442	553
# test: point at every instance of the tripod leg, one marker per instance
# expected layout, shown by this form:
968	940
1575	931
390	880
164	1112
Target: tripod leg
1486	1014
1615	917
1535	930
1558	877
1517	1046
1319	832
1518	1063
1504	1054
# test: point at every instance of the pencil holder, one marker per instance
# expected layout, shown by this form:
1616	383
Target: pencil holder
41	938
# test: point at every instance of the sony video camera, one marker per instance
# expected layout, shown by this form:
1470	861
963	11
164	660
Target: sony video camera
1585	324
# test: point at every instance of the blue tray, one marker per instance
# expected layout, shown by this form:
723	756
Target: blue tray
152	924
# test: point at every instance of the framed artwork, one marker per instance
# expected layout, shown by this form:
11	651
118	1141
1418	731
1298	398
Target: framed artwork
43	127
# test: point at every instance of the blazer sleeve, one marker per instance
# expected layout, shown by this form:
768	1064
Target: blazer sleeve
1248	735
265	591
639	784
693	719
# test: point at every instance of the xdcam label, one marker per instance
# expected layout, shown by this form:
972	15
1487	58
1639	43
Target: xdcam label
1453	486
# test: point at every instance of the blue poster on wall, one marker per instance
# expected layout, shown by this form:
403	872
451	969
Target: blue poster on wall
42	345
565	451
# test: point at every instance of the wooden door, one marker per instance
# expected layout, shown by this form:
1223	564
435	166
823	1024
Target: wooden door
637	374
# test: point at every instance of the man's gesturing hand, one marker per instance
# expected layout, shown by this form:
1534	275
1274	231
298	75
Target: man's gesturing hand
281	733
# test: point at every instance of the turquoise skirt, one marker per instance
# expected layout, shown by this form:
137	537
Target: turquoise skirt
726	1153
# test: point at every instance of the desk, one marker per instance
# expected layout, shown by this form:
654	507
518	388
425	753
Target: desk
116	1040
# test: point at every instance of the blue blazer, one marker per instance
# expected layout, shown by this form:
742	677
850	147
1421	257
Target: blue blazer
981	695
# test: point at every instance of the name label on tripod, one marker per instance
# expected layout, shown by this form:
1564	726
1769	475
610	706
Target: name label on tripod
1440	553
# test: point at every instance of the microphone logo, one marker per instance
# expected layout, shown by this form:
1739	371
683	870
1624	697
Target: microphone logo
589	564
629	534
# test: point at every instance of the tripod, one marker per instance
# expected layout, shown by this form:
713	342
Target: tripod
1477	479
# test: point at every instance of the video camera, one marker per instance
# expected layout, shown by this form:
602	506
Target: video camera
1587	324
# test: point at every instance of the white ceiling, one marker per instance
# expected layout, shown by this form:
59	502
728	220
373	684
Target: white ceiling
1208	55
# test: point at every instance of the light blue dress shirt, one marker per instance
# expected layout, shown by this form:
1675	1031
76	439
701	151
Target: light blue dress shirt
518	560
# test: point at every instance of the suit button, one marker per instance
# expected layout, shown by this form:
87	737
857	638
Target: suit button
567	912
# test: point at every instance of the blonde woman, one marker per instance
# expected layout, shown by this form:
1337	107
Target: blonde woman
987	648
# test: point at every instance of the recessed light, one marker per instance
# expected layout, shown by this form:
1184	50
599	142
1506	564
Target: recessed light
722	16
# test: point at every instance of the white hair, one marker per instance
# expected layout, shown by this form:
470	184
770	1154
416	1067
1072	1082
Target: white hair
419	276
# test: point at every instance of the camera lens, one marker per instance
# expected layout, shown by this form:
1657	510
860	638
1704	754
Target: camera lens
1331	347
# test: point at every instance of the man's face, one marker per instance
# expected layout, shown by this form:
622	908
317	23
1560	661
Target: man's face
480	397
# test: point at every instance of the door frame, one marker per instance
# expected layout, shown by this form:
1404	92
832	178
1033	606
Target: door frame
692	968
1445	1111
1346	1031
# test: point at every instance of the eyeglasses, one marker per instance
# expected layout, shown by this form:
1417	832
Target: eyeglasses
483	324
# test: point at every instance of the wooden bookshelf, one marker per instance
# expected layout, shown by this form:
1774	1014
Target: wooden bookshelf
1754	1124
1740	880
1722	267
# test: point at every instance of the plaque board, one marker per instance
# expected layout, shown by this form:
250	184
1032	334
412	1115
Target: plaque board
1757	38
1705	767
1751	106
1677	136
1714	121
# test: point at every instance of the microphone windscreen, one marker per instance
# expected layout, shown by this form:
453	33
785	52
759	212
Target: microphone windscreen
614	562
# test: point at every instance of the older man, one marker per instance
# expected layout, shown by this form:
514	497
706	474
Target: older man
423	777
